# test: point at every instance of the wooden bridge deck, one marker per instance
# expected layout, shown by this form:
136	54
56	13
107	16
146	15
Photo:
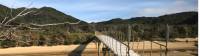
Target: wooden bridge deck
117	47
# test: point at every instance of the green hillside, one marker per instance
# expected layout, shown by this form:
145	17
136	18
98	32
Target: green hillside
44	15
174	19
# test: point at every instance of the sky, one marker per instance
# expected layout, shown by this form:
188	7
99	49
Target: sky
103	10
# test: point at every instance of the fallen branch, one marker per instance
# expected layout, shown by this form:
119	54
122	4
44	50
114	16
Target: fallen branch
26	13
4	20
19	14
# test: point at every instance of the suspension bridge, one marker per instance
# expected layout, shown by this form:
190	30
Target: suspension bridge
113	41
116	46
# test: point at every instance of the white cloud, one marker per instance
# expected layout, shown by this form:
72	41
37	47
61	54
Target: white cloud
154	10
175	7
180	2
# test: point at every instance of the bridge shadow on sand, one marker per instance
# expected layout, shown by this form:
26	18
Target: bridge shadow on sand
79	50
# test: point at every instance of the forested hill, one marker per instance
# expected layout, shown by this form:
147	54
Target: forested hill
44	15
175	19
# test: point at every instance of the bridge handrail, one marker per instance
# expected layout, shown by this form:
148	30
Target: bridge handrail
113	38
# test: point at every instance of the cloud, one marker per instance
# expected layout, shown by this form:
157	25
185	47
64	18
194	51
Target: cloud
171	7
154	10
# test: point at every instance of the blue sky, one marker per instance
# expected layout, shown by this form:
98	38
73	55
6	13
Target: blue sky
102	10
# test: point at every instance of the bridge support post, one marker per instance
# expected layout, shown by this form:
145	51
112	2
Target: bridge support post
151	48
160	50
129	36
167	38
104	50
108	51
98	46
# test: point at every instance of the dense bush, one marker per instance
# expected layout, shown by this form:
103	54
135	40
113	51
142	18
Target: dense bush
149	31
45	38
8	43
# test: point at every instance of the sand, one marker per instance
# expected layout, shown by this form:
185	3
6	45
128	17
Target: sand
171	46
186	39
91	49
38	49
